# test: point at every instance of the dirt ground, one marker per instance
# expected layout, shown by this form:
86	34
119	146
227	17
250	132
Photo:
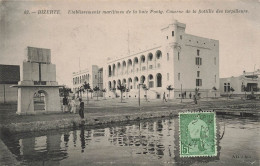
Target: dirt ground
104	107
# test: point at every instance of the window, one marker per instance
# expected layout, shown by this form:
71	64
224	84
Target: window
198	73
158	65
215	60
150	66
226	87
198	61
168	76
95	76
179	76
198	82
181	37
167	37
198	52
168	57
143	68
178	56
172	33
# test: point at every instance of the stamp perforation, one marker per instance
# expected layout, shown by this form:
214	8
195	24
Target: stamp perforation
215	133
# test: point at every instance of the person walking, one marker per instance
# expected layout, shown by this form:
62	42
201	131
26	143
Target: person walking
73	105
164	98
65	104
81	109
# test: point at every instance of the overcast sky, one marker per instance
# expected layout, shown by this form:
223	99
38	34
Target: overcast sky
93	38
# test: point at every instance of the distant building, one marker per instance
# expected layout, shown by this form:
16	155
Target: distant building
248	81
181	60
93	76
9	75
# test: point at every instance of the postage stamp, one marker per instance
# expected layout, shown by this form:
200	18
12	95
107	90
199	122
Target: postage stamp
197	134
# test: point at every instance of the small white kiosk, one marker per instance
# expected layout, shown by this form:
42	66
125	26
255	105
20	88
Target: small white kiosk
38	91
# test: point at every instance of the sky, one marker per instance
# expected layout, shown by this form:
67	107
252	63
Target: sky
78	41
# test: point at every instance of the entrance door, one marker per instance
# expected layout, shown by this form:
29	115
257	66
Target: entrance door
39	100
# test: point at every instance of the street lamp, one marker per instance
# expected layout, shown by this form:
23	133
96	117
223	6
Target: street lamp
139	94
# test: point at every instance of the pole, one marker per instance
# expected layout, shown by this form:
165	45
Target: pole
139	96
181	93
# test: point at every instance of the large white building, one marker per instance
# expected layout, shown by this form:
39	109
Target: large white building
93	76
181	60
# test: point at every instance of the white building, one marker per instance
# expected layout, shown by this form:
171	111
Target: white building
181	60
93	76
248	81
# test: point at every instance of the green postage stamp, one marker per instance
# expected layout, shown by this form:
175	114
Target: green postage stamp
197	134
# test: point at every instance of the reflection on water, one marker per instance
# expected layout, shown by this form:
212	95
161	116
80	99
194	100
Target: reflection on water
151	142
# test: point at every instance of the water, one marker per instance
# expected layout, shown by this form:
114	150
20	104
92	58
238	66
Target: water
151	142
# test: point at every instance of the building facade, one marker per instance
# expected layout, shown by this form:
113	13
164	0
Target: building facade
181	60
247	82
9	76
93	76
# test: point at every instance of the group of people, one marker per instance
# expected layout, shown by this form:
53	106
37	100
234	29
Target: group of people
71	106
183	95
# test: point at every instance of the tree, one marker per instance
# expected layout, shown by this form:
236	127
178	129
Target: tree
245	89
80	91
91	92
64	91
215	89
104	93
122	90
232	90
96	89
145	89
87	88
169	88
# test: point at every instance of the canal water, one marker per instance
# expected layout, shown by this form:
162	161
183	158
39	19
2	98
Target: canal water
148	142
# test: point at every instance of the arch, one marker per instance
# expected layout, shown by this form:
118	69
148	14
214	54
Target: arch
114	69
136	65
142	59
150	56
124	82
142	79
118	82
150	81
124	67
114	83
135	82
130	81
40	100
129	61
135	60
109	85
124	63
118	68
158	54
129	66
109	71
118	64
159	80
